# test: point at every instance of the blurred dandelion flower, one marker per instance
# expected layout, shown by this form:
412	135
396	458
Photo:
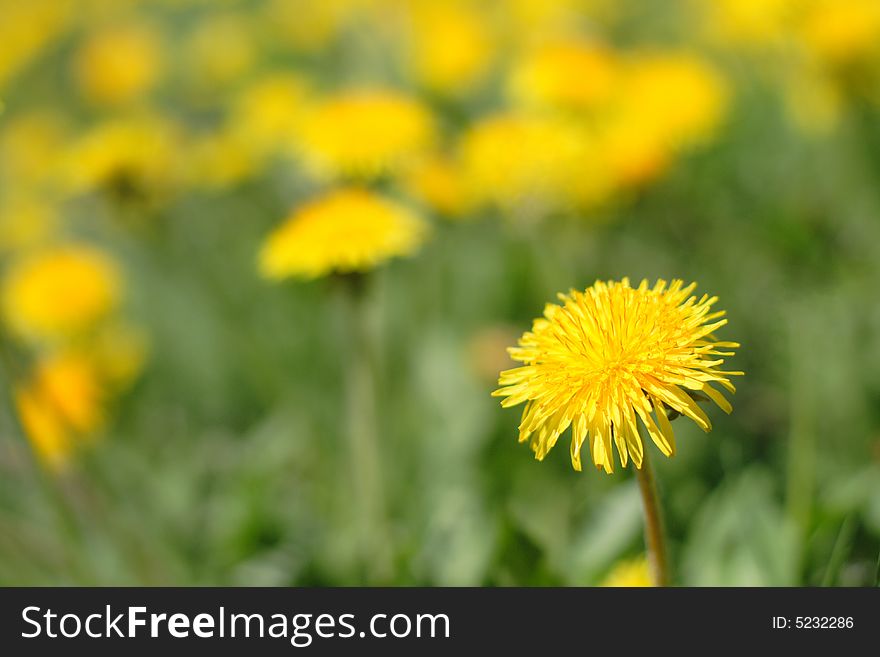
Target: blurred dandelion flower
365	133
517	160
348	230
133	157
565	74
59	291
676	97
119	64
630	573
610	356
452	45
840	32
437	182
267	112
60	406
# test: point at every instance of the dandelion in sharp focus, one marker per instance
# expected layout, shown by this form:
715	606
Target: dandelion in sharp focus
614	356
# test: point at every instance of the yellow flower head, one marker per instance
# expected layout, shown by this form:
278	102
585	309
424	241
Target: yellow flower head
60	405
608	357
566	74
437	182
677	98
134	157
365	133
266	114
840	32
59	291
451	45
519	160
629	574
348	230
119	64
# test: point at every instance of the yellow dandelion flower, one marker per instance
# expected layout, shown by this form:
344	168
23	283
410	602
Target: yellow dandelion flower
365	133
524	160
59	291
133	156
842	31
60	406
606	358
675	97
348	230
566	74
218	160
451	45
119	64
631	573
266	114
437	182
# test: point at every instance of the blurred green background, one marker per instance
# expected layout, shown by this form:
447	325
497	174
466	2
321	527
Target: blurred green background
222	459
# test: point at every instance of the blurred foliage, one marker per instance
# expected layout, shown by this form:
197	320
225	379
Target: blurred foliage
733	143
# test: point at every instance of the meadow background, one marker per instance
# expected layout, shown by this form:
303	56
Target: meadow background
192	431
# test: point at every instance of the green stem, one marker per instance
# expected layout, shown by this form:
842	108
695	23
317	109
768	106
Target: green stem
655	534
361	432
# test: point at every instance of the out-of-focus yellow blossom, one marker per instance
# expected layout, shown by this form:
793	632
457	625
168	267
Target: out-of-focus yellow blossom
308	25
534	162
218	159
631	150
266	115
133	157
365	133
747	22
841	32
119	64
59	291
31	145
60	406
221	49
25	220
679	98
451	44
26	28
566	74
437	182
349	230
629	574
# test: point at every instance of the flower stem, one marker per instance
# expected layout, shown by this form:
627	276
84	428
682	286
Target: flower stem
361	431
655	534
